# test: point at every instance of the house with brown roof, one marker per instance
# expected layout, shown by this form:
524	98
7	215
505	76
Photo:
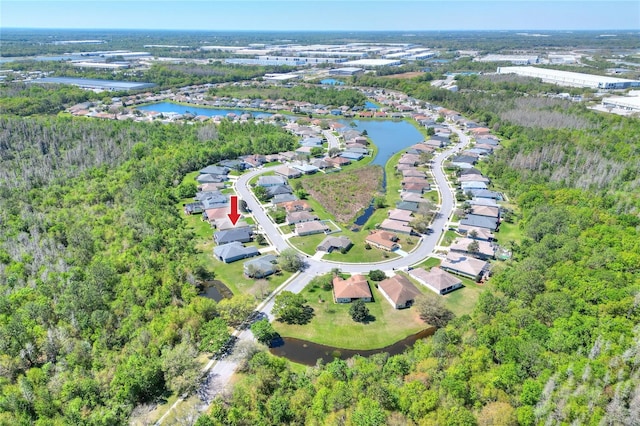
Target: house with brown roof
489	211
296	206
410	173
398	291
310	228
288	172
436	280
383	240
401	215
396	226
353	288
409	159
416	188
338	161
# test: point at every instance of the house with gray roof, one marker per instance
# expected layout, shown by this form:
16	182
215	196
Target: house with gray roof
465	266
242	235
480	221
215	170
283	198
235	251
209	178
274	190
485	249
330	243
271	180
300	217
354	156
260	267
407	205
484	193
306	169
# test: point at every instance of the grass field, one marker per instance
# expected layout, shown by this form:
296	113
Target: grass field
332	325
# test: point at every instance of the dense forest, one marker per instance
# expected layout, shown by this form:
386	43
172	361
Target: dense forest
308	93
557	342
98	300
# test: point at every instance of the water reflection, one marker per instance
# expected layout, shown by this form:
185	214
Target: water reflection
308	353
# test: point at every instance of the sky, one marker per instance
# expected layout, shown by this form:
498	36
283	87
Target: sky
326	15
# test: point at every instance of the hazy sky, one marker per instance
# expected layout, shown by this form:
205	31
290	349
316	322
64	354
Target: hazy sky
356	15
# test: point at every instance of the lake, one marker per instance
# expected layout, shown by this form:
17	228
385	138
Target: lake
196	110
390	136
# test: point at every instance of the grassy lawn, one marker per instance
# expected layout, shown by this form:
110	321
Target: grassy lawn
448	238
429	263
308	243
508	232
231	274
332	324
462	301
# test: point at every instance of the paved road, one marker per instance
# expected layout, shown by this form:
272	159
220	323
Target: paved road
332	139
222	371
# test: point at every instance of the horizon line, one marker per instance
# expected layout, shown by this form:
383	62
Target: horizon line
632	30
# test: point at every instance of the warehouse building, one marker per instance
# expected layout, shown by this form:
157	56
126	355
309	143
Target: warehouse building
94	84
627	103
346	71
572	79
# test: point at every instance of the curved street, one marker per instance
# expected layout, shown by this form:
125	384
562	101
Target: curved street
219	373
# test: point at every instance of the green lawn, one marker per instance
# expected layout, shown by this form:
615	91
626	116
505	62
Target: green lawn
429	263
231	274
308	243
508	232
332	325
448	238
463	301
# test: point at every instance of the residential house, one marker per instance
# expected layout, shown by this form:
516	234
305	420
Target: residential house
473	178
306	169
331	243
288	172
465	266
412	197
409	159
233	165
407	205
416	188
472	184
413	173
321	164
283	198
401	215
353	288
225	224
215	170
470	171
209	178
483	210
485	250
297	206
484	193
269	181
383	240
193	208
300	217
436	280
242	235
211	215
274	190
353	156
476	233
396	226
490	223
260	267
337	161
310	228
232	252
398	291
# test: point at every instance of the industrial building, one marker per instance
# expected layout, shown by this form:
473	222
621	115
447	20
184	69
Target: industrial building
572	79
372	63
628	103
514	59
281	78
94	84
346	71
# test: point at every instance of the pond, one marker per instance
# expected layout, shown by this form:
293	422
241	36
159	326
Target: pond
170	107
308	353
215	290
331	82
